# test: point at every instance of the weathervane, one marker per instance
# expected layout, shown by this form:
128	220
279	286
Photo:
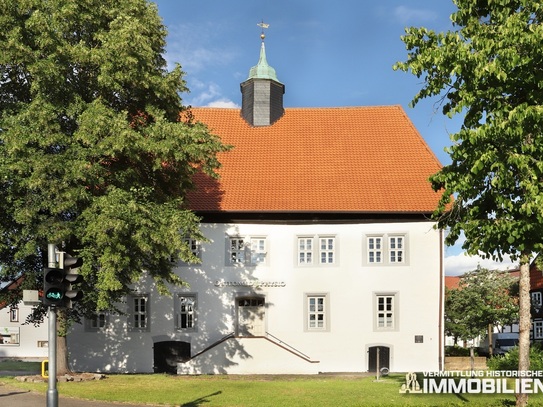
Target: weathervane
263	25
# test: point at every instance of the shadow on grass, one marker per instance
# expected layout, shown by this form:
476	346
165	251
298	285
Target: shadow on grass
201	400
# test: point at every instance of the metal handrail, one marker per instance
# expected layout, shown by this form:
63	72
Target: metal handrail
218	342
287	345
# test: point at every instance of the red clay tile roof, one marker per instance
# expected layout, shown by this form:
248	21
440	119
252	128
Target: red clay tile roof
345	159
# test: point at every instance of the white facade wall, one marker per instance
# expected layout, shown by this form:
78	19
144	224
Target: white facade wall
349	287
20	340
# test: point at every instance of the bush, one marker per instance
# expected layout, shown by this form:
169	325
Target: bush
509	361
457	351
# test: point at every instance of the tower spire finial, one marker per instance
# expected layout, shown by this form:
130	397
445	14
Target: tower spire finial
263	25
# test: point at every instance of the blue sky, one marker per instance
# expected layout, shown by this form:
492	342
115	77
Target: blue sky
326	53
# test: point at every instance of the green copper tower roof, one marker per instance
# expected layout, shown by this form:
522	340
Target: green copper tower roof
262	70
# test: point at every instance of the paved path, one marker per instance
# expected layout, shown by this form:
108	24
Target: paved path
12	396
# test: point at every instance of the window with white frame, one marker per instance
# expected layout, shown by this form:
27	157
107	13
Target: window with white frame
396	249
375	249
327	249
97	321
317	312
386	249
536	299
385	312
323	252
194	247
186	312
305	250
249	251
538	329
258	250
139	312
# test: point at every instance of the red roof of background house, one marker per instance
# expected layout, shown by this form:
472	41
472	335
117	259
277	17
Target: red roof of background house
345	159
452	282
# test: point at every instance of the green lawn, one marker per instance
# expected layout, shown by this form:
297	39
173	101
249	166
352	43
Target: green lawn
263	391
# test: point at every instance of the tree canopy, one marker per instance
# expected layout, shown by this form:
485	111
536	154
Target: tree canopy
483	297
94	155
489	68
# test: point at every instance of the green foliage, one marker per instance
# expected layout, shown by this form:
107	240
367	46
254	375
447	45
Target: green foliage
509	361
488	69
483	297
94	155
456	351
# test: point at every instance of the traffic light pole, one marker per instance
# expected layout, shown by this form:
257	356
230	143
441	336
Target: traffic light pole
52	393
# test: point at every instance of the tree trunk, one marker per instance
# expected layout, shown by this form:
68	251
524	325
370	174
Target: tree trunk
472	359
524	324
63	366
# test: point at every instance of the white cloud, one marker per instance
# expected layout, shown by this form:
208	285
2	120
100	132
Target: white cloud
458	264
208	95
196	47
223	103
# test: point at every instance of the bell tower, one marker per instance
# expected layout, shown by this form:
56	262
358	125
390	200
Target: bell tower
262	93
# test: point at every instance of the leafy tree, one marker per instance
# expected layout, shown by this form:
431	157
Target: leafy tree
483	297
93	154
490	68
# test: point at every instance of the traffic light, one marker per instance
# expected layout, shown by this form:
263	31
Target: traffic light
58	290
53	287
71	276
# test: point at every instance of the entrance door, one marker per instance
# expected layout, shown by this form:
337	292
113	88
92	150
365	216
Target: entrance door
251	313
384	358
168	353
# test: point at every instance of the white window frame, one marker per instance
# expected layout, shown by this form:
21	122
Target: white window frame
249	251
327	250
97	322
537	299
396	249
374	248
305	250
386	311
393	249
182	301
317	250
317	312
538	329
258	250
139	320
195	246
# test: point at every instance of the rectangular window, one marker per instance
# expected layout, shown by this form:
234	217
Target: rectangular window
97	321
327	248
395	249
375	249
14	314
139	312
186	318
317	312
258	250
248	251
237	251
194	247
385	312
536	299
305	250
538	329
386	250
